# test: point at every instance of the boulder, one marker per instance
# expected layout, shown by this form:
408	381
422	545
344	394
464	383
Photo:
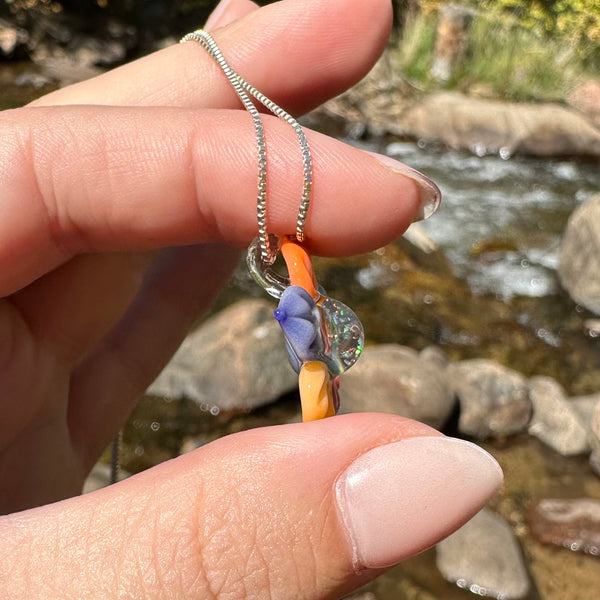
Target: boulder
555	420
585	97
489	126
595	441
484	557
572	523
494	400
13	41
580	255
395	379
235	361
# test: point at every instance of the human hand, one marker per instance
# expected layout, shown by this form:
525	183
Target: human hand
118	223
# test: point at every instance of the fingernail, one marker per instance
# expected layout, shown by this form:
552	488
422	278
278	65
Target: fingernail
213	20
429	193
402	498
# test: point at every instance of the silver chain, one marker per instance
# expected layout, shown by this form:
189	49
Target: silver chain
268	249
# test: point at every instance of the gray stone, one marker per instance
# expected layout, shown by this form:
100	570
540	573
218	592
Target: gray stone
394	379
488	126
585	406
571	523
484	557
579	266
555	420
494	400
235	361
585	97
13	40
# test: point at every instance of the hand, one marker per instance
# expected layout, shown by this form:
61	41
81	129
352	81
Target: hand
123	199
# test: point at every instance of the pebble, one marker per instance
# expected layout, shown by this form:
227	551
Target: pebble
572	523
484	557
555	420
394	379
236	361
494	400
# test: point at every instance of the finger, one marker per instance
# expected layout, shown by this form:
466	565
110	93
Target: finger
309	510
297	53
105	385
228	11
68	311
154	177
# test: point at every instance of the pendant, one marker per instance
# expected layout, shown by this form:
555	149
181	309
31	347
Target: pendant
323	337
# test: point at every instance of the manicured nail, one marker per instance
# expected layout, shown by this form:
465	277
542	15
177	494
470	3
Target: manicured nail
402	498
213	20
429	193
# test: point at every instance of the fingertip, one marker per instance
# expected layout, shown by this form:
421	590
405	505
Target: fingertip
228	11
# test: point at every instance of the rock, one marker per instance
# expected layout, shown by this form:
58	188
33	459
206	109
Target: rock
484	557
494	400
394	379
585	97
451	39
13	41
489	126
595	441
235	361
435	356
592	327
572	523
555	421
580	255
585	406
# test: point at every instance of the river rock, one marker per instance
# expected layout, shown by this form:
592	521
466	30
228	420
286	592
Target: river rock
572	523
13	41
492	126
235	361
585	407
585	97
580	255
484	557
494	400
595	441
395	379
555	421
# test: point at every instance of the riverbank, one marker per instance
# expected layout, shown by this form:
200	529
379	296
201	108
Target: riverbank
384	103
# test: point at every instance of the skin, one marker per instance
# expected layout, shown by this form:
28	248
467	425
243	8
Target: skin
125	200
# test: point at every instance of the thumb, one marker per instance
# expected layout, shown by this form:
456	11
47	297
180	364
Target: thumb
309	511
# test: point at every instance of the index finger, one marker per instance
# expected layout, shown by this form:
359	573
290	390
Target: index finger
91	179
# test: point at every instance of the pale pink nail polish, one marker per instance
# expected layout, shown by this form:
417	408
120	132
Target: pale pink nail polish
429	193
399	499
213	19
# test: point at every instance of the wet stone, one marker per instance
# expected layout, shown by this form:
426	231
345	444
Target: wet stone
234	361
395	379
580	255
555	420
484	557
494	400
572	523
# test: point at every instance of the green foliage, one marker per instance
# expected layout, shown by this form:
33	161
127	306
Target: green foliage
415	48
516	49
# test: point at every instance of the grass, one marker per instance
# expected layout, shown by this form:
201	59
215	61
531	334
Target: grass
501	60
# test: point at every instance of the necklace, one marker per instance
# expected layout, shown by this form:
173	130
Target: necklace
323	336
